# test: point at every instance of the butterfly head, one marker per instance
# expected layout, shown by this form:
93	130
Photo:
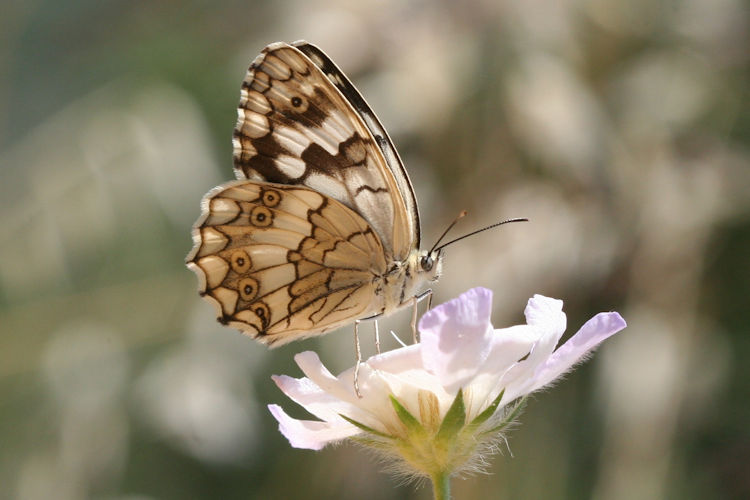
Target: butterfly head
431	264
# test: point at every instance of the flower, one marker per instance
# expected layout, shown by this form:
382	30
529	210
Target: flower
438	405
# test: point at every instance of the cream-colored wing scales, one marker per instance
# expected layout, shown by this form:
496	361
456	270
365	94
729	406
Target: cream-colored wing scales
284	262
295	127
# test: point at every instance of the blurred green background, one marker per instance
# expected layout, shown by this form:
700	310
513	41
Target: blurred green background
620	128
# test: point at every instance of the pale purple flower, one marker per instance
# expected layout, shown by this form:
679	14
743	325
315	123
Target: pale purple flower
461	364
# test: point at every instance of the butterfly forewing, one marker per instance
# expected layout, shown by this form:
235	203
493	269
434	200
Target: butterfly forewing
284	262
377	131
296	127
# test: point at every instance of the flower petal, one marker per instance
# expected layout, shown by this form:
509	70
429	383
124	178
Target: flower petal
591	334
541	309
313	368
309	434
309	395
403	367
373	389
398	360
545	314
546	324
456	336
508	346
404	377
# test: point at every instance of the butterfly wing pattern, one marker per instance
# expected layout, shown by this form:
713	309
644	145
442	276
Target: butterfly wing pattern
321	228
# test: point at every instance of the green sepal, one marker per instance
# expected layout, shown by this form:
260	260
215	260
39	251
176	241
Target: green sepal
454	420
488	412
410	422
365	428
372	442
509	418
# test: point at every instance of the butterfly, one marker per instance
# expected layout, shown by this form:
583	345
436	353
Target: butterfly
321	227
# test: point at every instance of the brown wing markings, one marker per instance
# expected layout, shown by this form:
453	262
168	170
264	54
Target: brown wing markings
241	237
220	210
319	211
365	187
338	234
314	107
232	279
340	282
316	158
319	160
325	295
234	229
323	300
324	104
324	291
313	115
318	292
274	290
355	149
272	266
334	248
378	251
371	121
331	242
259	71
278	113
276	68
267	149
345	235
335	308
348	241
237	236
370	251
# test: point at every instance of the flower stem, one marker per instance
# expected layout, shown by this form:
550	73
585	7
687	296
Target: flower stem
441	485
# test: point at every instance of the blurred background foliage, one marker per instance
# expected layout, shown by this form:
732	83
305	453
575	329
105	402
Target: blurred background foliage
620	128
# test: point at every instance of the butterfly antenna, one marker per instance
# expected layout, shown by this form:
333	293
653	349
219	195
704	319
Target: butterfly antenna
450	226
479	231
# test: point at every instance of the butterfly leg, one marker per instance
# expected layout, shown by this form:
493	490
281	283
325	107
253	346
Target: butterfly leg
427	293
358	353
377	338
414	321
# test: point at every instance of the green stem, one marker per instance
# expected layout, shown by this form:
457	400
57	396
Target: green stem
441	485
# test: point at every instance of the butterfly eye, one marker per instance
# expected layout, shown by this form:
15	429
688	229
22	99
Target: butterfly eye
427	262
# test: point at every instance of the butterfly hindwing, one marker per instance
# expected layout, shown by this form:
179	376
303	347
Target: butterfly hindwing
284	262
300	122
